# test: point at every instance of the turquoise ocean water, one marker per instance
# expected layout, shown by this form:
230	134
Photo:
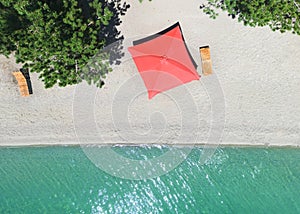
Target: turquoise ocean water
236	180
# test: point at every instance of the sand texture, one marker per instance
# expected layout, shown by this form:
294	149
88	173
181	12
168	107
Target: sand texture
258	71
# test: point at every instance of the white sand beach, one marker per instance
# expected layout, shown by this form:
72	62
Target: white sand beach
258	71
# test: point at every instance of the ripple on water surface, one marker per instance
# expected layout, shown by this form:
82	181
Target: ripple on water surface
63	179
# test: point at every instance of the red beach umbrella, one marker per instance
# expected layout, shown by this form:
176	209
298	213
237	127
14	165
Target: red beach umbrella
163	60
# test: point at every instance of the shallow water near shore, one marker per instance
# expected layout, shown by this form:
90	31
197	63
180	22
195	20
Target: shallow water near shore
64	180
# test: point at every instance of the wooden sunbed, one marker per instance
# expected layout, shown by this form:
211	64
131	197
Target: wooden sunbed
22	83
206	61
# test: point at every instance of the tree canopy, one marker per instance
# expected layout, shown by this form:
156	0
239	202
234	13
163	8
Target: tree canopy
282	15
57	38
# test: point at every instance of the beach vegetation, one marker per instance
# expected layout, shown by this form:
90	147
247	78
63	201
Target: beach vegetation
279	15
57	38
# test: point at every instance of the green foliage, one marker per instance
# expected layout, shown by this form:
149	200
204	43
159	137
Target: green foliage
55	38
282	15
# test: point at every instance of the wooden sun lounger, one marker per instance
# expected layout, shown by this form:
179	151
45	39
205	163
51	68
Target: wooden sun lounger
22	83
206	61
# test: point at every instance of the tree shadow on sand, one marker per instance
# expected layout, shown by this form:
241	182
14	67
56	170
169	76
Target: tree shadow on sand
111	33
101	64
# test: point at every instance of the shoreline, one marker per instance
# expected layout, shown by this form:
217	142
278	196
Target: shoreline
222	145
